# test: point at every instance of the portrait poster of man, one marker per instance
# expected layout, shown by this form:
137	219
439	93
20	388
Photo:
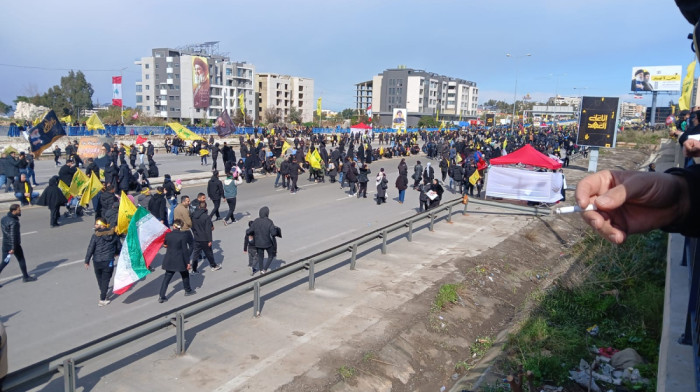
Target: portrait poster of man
200	82
399	119
45	133
656	78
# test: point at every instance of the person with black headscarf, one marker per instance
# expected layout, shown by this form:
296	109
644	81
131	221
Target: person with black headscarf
264	233
53	198
215	191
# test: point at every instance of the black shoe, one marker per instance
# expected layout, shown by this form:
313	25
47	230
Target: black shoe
29	278
161	300
191	292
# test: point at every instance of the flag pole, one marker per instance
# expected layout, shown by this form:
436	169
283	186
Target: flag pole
121	75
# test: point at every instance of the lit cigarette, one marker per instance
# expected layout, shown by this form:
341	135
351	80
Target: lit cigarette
572	209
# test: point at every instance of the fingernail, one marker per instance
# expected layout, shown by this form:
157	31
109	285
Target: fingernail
603	201
613	238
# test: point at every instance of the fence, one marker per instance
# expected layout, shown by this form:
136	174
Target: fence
133	130
66	362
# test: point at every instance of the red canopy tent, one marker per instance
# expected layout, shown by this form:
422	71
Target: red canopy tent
527	155
361	126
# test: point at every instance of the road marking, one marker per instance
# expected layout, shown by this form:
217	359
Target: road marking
326	239
43	269
29	232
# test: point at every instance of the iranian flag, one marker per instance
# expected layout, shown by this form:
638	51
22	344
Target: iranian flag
116	91
143	240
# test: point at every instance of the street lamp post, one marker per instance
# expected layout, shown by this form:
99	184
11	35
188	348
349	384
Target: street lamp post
515	92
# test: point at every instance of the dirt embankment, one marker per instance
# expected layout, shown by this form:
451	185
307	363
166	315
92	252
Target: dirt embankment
424	349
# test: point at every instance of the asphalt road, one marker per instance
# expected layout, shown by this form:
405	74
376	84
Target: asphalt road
60	310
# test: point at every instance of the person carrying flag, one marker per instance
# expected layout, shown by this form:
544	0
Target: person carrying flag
103	248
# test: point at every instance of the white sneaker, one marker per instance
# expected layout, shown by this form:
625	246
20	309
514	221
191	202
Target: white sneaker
103	303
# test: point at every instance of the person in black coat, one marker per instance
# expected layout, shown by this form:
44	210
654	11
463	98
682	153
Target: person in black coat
124	177
202	228
178	245
158	206
249	165
152	169
214	155
264	232
107	199
53	198
112	175
12	241
294	170
437	188
150	151
103	248
351	176
92	168
215	191
66	172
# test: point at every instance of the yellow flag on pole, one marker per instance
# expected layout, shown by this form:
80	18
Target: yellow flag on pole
241	103
92	189
317	156
184	133
94	123
684	101
65	189
39	119
67	119
78	183
437	114
311	158
318	108
474	177
285	147
127	209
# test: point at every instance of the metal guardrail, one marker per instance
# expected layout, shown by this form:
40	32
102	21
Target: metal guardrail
65	363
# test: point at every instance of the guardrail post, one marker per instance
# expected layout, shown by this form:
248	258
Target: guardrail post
312	275
410	231
384	235
466	203
449	214
179	322
432	220
353	259
256	299
69	375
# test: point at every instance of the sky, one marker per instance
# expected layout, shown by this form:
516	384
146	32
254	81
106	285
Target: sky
576	47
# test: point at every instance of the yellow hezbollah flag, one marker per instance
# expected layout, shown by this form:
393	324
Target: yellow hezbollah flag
311	158
241	103
184	133
79	183
474	177
272	132
317	156
127	209
285	147
64	189
684	101
381	151
318	108
458	158
93	188
94	123
437	114
505	143
67	119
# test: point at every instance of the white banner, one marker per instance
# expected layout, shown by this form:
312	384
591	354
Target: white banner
518	184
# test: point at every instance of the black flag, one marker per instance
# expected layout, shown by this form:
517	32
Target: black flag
43	134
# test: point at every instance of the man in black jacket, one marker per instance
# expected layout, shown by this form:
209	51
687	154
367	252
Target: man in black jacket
24	192
103	248
215	191
264	233
178	244
12	242
202	228
67	171
11	166
158	206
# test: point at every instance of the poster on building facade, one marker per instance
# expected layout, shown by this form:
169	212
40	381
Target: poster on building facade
399	119
200	82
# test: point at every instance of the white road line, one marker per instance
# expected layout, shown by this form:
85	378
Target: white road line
29	232
326	239
42	270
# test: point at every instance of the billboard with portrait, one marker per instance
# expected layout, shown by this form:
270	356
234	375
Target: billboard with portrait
399	119
656	78
200	82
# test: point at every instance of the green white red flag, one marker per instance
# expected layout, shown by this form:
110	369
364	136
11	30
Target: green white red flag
143	240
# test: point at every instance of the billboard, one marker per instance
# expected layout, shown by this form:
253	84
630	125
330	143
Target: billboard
490	119
597	121
656	78
200	82
399	119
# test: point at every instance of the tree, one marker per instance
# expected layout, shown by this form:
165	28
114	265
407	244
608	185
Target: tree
272	116
239	118
77	91
428	122
5	108
295	115
347	114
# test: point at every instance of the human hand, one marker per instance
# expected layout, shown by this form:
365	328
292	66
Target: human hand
87	265
632	202
691	148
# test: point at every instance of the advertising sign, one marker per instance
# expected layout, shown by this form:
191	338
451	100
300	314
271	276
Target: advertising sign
656	78
399	119
597	121
200	82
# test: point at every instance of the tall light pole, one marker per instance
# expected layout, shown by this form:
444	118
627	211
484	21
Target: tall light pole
515	92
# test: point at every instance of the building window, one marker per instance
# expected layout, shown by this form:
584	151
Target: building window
148	87
139	98
139	88
148	76
229	71
147	66
156	65
148	108
148	97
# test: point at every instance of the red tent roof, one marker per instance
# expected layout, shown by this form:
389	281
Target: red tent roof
362	126
527	155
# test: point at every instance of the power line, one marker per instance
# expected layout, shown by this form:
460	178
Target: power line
58	69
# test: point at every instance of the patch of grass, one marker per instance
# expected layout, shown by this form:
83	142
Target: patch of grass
463	366
368	356
481	346
446	294
639	137
618	288
346	372
502	387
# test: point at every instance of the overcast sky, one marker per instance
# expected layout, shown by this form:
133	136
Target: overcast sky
577	47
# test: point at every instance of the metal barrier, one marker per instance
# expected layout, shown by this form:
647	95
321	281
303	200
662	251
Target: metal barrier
65	363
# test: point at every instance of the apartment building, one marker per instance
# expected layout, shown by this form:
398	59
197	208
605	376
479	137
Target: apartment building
420	92
282	93
193	83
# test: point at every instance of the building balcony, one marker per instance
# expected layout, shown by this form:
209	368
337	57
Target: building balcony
169	81
163	113
169	59
163	92
169	70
